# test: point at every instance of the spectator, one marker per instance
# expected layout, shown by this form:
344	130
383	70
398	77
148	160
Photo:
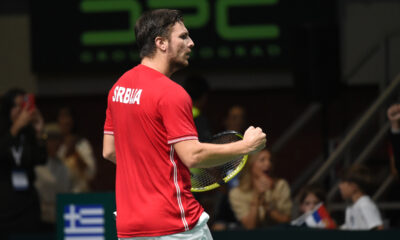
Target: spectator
393	114
198	88
313	212
261	199
236	119
224	216
362	214
21	149
310	196
76	152
52	178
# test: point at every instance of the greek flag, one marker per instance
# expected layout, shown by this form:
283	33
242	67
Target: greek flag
84	222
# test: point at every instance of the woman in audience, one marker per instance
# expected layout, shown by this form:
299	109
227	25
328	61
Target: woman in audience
52	178
76	152
261	199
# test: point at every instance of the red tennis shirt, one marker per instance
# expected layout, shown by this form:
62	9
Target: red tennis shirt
147	113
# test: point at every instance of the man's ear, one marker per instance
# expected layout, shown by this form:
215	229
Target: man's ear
161	43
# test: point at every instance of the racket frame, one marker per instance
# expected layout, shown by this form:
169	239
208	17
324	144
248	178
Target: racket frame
230	175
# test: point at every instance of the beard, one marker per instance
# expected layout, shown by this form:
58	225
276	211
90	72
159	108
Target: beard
176	64
179	61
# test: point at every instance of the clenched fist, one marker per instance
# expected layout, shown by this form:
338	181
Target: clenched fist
255	139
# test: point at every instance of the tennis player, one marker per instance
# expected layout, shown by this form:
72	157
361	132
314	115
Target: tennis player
149	133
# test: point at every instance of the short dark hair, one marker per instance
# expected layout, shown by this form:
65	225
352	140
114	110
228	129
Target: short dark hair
315	189
358	174
152	24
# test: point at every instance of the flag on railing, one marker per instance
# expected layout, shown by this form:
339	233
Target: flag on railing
317	218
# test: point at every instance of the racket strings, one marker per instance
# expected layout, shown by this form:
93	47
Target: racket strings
203	177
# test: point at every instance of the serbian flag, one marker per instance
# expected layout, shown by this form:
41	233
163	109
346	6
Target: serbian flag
320	218
317	218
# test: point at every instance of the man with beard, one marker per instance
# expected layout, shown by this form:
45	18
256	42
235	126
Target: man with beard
149	133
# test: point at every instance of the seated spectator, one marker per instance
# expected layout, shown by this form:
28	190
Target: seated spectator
236	119
310	196
261	199
393	114
312	209
52	178
76	152
362	214
224	217
198	88
21	149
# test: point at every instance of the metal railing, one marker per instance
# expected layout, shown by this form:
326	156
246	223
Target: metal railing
357	129
363	155
296	126
378	108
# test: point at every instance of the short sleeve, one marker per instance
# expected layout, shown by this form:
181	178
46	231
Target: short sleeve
175	108
108	125
371	215
240	206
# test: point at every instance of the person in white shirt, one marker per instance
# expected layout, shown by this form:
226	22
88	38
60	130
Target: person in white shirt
363	213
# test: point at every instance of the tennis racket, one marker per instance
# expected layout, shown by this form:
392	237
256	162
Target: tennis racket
205	179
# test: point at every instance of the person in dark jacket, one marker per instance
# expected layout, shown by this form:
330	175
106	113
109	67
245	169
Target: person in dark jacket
21	149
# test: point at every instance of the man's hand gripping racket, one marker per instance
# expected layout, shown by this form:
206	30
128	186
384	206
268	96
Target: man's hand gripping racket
205	179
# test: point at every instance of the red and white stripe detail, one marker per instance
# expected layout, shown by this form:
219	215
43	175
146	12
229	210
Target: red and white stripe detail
182	139
109	132
178	190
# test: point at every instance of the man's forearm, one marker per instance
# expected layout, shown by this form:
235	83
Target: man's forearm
211	155
203	155
196	154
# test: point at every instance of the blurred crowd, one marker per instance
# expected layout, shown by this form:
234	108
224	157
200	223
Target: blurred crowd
259	198
41	159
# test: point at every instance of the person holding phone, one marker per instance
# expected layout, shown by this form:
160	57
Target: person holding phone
21	149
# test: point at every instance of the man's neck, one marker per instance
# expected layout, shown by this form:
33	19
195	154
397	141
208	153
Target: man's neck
157	64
